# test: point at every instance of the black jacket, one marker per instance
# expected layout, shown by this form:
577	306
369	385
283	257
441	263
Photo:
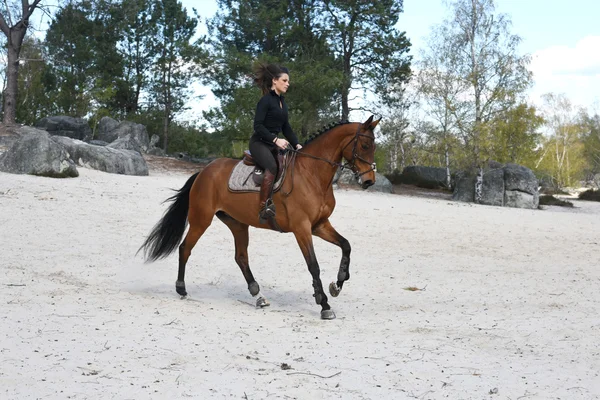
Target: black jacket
271	118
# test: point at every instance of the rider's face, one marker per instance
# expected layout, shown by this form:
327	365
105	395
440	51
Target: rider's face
281	84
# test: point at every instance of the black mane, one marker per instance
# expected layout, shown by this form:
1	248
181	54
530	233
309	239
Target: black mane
323	130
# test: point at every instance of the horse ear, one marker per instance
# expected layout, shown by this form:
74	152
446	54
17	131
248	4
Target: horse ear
367	123
374	123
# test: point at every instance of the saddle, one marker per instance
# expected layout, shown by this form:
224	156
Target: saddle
247	176
258	174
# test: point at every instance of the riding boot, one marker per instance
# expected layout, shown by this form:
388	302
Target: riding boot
266	206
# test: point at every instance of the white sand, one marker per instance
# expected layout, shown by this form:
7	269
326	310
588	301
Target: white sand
511	301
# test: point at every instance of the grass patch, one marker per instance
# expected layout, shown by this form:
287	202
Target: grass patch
590	195
549	200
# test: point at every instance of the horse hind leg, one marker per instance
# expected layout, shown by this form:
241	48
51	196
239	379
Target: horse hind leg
198	225
241	238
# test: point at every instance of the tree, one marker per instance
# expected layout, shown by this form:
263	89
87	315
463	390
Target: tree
136	50
591	147
372	53
173	54
562	156
14	22
516	138
283	32
82	48
484	57
35	81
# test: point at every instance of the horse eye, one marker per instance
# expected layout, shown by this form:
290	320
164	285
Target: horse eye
365	147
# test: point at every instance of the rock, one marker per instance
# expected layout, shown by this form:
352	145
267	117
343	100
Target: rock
509	185
35	153
99	143
76	128
492	193
129	135
107	159
464	189
514	198
346	178
105	127
425	177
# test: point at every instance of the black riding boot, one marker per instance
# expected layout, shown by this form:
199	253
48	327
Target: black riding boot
266	206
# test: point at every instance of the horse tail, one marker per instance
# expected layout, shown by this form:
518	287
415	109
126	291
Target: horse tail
167	233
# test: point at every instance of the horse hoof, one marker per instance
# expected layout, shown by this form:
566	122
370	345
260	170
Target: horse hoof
334	290
327	314
181	291
261	302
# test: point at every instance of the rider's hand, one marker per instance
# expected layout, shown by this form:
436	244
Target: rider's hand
282	143
298	146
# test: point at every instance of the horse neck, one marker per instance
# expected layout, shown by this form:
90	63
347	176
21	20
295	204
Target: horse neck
329	146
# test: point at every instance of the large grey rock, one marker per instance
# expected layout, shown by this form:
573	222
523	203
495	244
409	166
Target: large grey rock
104	129
128	135
76	128
346	178
35	153
425	177
104	158
509	185
464	189
492	190
517	199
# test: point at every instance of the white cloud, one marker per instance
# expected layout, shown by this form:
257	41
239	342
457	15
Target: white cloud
574	71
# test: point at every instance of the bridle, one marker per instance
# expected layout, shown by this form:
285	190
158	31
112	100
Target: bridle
351	165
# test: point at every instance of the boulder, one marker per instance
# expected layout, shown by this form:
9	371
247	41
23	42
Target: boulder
509	185
425	177
464	187
346	178
492	190
76	128
129	135
104	158
35	153
104	129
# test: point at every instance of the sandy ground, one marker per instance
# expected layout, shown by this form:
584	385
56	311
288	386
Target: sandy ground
509	306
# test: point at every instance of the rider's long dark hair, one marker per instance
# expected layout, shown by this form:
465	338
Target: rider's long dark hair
265	73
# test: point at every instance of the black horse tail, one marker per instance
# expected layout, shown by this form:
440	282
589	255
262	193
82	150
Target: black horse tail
167	233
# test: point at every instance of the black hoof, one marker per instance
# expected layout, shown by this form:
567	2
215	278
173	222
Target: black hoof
334	289
327	314
180	288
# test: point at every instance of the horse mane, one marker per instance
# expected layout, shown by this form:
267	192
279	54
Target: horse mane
324	130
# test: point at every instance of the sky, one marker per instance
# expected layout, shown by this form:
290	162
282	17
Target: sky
562	37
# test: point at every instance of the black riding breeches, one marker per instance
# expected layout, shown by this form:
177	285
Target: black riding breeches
264	154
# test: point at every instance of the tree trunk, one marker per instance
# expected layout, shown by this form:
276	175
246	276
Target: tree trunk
15	40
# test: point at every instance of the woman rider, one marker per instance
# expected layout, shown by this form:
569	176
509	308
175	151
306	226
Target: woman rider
270	119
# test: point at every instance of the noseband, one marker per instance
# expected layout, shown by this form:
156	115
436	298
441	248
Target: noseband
351	165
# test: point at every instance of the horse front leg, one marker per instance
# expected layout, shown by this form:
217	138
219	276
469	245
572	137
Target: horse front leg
304	239
328	233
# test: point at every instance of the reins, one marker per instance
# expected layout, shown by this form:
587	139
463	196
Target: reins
351	165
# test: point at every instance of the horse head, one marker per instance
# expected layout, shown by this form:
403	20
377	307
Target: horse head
361	152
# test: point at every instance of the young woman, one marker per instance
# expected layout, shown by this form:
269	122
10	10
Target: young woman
270	119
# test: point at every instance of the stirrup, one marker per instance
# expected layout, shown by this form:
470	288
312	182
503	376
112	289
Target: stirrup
267	212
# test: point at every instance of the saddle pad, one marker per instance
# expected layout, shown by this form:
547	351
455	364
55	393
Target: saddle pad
241	180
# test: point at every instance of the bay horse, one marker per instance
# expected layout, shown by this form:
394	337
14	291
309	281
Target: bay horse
303	206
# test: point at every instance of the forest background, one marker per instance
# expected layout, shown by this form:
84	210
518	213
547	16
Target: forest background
459	103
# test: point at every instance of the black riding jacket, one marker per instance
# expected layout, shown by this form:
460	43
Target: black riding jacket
271	118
